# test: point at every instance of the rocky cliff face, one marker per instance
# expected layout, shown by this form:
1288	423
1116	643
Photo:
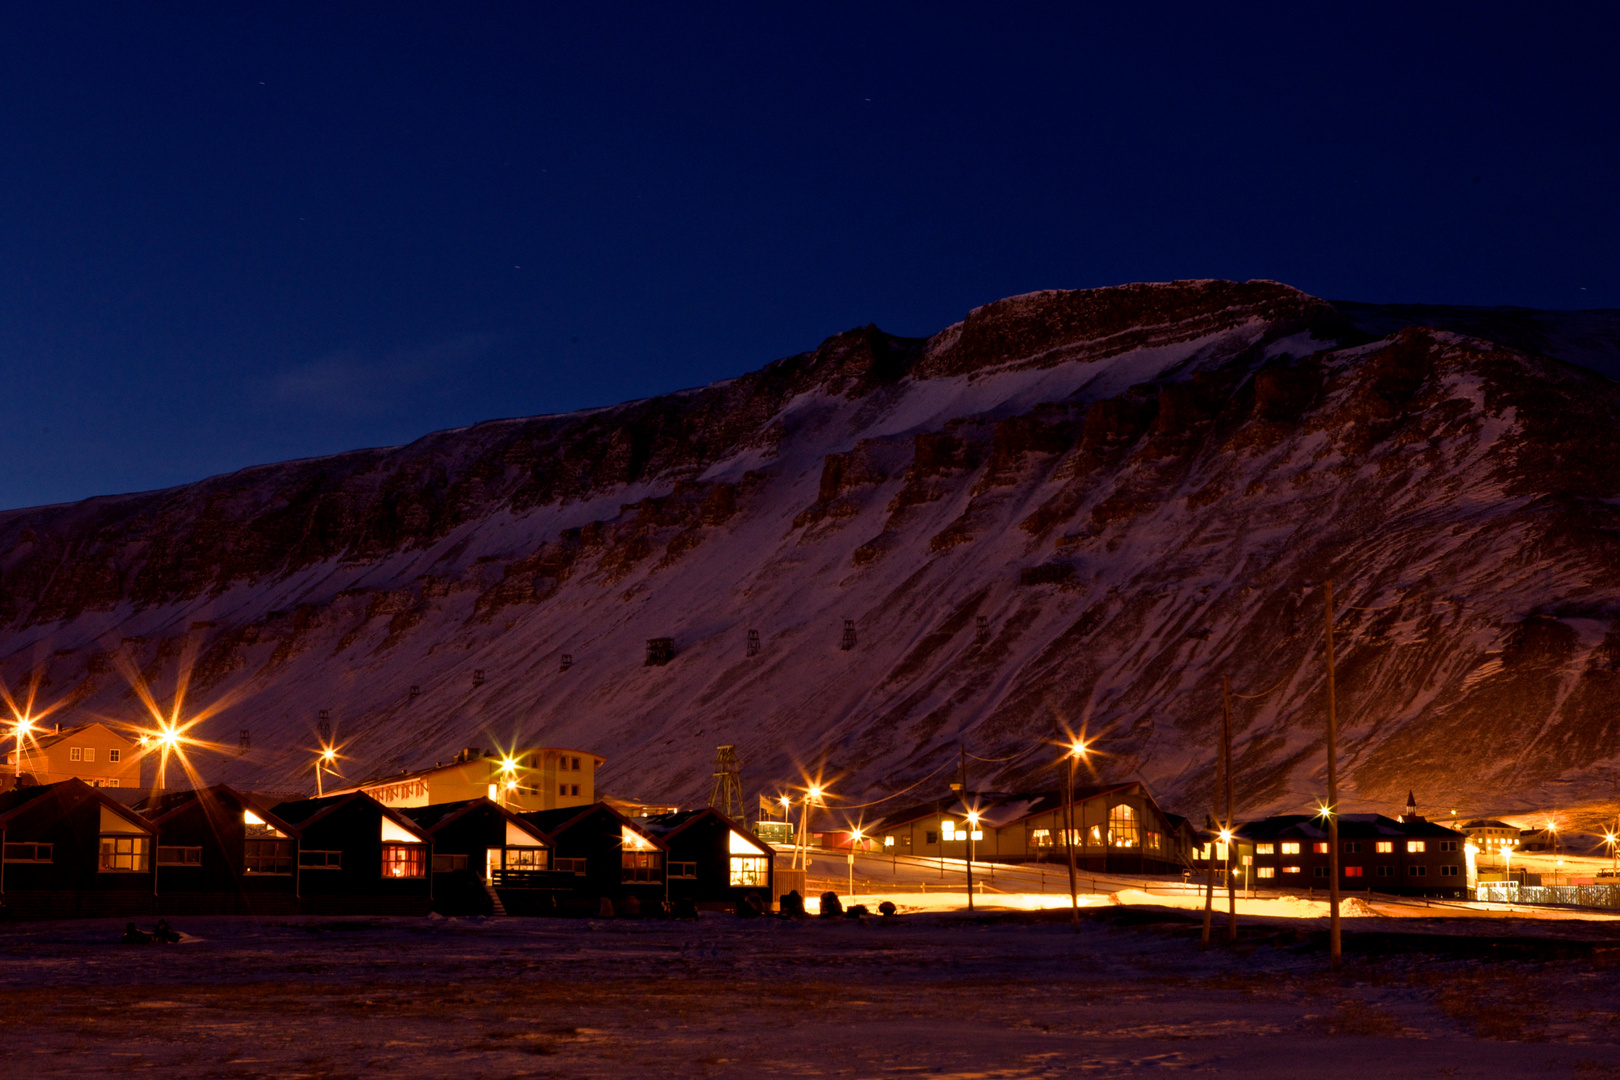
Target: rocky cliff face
1074	509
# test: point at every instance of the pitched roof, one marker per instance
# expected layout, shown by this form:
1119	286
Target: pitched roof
17	800
44	740
669	826
436	816
305	812
171	803
559	820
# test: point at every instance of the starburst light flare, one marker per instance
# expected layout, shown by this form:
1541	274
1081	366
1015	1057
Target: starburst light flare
169	734
25	723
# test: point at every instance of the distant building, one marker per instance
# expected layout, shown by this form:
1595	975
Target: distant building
1407	858
1119	829
543	778
1491	837
92	752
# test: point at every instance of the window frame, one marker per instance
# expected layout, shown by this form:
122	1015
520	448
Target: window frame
749	871
34	850
330	860
682	871
415	863
259	852
182	861
139	853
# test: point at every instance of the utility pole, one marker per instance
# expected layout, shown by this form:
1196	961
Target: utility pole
1231	836
1335	949
969	824
1209	885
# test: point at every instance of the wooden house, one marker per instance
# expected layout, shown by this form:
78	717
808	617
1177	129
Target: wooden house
713	860
353	855
1411	857
608	855
68	851
221	852
539	778
489	861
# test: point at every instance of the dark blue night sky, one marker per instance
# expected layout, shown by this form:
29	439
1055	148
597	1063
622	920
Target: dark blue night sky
232	234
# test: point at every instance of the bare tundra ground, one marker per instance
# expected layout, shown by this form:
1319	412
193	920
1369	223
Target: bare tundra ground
940	996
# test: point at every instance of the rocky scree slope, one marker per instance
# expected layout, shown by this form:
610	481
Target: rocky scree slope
1072	509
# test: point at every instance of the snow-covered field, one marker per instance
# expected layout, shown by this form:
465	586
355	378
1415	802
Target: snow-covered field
1014	995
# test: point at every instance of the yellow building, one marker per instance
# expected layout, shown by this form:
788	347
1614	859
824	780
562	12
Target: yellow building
91	752
535	779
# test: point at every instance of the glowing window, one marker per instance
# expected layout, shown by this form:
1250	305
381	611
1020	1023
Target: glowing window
1266	871
1123	830
1320	848
631	840
404	860
1384	847
1096	836
1154	841
749	872
642	866
1290	847
1352	871
1414	847
397	834
526	858
1040	838
124	854
1265	849
1290	869
738	844
89	753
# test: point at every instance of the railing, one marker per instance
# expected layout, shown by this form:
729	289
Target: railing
532	879
1600	896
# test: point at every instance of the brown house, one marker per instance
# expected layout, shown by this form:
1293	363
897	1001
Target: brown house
92	752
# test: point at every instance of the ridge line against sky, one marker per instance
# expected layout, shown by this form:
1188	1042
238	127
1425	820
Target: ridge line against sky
238	235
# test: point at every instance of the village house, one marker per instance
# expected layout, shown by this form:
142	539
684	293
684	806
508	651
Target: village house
354	856
489	861
92	752
68	851
222	852
714	861
535	779
1116	829
1407	857
609	856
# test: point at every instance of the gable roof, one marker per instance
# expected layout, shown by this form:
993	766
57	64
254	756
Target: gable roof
557	821
172	804
14	802
669	826
436	816
306	812
43	741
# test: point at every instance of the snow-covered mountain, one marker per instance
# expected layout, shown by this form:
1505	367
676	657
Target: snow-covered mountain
1070	509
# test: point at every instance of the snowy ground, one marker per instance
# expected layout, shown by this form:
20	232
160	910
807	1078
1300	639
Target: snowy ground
1014	995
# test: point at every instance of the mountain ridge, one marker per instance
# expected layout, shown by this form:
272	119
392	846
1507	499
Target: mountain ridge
1100	475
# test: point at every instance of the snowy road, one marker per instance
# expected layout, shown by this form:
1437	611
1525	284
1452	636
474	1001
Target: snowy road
933	995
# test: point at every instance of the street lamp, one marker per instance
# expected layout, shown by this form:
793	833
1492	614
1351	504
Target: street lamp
22	729
855	836
325	762
973	834
1076	754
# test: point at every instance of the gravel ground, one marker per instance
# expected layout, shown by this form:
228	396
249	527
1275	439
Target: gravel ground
1017	995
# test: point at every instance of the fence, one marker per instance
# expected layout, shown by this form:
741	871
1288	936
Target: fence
1511	892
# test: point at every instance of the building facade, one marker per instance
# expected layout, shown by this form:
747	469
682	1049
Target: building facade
542	778
714	861
92	752
1376	854
1118	829
68	851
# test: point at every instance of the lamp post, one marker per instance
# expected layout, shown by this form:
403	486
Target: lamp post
1077	751
854	838
21	729
973	833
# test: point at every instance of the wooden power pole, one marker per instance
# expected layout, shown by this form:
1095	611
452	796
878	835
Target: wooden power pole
1335	951
968	848
1231	842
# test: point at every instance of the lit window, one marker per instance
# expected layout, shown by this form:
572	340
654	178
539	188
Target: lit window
75	753
124	854
1096	836
1290	869
1384	847
1290	847
1123	830
1266	871
1352	871
267	856
89	753
1320	847
115	755
948	830
110	783
526	858
255	826
1265	849
179	856
404	860
888	841
642	866
1040	838
749	871
1154	841
1414	847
